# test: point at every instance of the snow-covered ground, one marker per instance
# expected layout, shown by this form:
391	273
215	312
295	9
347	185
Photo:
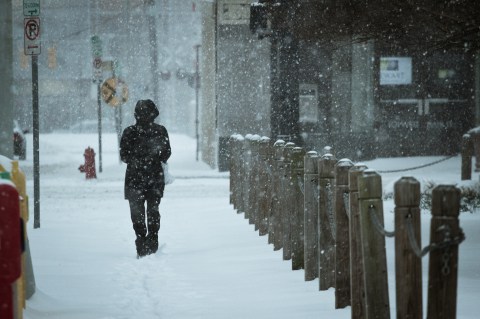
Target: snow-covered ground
211	263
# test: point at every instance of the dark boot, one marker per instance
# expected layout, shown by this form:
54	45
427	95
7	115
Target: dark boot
152	243
142	246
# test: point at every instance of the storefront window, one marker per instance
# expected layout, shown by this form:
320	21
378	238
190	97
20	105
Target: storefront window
395	70
308	103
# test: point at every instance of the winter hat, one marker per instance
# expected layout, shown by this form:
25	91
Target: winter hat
146	110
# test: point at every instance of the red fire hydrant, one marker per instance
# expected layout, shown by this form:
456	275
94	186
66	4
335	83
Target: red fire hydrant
89	167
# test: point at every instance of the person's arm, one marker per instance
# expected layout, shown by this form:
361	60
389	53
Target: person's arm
126	146
166	150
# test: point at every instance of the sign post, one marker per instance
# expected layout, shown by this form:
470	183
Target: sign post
32	46
115	94
97	78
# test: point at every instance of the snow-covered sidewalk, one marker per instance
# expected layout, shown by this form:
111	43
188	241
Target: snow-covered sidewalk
211	262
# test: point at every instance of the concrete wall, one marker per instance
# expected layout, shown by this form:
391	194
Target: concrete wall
363	107
208	117
6	98
243	69
341	87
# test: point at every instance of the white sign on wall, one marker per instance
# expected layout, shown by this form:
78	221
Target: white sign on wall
395	70
234	12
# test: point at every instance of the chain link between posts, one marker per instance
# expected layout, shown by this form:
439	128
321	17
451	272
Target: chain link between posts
376	222
447	242
417	167
268	168
346	203
301	184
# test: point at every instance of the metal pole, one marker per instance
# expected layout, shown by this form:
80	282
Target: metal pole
36	144
99	108
197	86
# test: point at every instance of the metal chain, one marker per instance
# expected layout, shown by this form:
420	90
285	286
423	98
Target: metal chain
316	191
268	168
376	222
417	167
301	184
447	242
446	261
413	241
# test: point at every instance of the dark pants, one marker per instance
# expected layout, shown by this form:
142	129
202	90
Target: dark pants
146	232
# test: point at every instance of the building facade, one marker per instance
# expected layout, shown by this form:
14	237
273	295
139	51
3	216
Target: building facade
367	94
151	42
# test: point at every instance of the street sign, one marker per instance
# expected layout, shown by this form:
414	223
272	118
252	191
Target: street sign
96	46
31	36
114	91
31	8
97	63
97	57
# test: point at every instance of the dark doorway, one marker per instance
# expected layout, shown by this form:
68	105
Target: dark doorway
425	103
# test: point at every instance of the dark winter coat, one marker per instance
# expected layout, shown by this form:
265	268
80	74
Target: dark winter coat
144	146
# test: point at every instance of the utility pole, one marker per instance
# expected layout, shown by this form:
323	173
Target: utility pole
32	46
197	87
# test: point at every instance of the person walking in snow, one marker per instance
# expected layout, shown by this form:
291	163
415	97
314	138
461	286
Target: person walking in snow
144	147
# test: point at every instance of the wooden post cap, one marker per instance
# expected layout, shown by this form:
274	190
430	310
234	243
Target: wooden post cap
407	192
353	174
264	146
287	149
326	166
297	158
311	163
369	185
446	201
278	150
342	167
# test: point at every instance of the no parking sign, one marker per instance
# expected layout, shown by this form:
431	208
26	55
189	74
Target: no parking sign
31	32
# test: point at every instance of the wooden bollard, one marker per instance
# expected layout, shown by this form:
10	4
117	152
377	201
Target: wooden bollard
326	222
373	245
296	220
286	201
236	142
253	181
467	153
275	222
443	263
311	215
475	135
240	178
265	186
342	238
233	171
357	284
245	178
408	265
